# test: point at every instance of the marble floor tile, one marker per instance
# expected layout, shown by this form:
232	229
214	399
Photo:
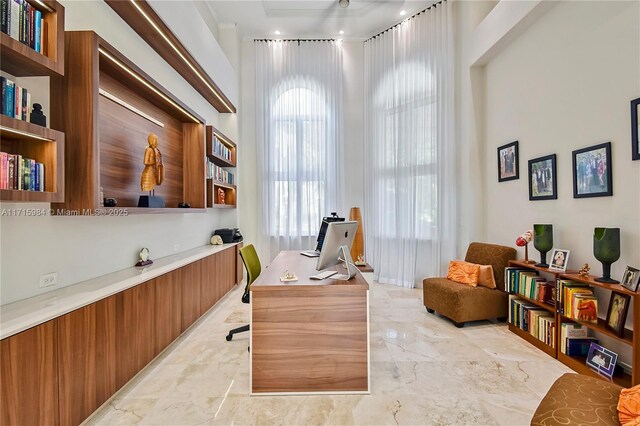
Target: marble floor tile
424	371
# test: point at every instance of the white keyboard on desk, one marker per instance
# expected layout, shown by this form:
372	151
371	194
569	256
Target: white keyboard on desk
323	275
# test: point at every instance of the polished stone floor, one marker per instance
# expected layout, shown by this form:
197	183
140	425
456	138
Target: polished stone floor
424	371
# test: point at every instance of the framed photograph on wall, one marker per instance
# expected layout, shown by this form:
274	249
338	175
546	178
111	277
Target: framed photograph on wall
559	260
635	129
508	162
617	312
602	360
631	278
592	171
542	178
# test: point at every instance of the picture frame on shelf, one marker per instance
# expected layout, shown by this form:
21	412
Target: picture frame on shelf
631	278
543	183
559	260
635	129
508	162
592	173
602	360
617	312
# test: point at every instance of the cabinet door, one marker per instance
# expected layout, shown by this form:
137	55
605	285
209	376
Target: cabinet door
207	288
168	310
135	345
86	359
29	377
229	272
190	285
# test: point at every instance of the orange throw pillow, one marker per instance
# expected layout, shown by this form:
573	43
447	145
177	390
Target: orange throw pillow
486	278
629	406
464	272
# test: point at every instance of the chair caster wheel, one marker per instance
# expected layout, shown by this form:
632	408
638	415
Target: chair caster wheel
431	311
229	337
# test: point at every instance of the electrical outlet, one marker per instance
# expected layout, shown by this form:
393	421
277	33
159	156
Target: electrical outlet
176	247
47	280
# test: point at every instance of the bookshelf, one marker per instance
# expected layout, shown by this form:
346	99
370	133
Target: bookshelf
214	136
21	60
19	137
120	105
578	363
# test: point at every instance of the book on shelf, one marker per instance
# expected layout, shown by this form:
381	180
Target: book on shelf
20	173
220	149
15	101
219	174
585	307
566	290
23	22
571	331
579	346
538	322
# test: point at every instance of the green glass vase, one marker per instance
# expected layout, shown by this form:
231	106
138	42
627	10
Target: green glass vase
543	242
606	248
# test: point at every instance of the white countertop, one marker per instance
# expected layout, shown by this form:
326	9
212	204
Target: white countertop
24	314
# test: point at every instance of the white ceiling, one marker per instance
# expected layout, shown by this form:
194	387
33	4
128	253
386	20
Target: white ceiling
312	18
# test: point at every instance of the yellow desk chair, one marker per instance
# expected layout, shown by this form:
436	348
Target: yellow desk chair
252	265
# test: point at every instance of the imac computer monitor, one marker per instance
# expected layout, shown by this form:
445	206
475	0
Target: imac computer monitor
337	248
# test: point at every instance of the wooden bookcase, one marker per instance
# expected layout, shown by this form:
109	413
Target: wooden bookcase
213	186
21	60
578	364
107	107
38	143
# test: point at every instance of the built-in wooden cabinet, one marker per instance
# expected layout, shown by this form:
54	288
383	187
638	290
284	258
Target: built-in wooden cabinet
221	152
29	377
61	371
87	359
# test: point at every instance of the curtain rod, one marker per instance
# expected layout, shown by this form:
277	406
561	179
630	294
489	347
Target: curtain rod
411	17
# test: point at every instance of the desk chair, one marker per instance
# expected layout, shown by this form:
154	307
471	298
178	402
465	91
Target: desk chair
252	265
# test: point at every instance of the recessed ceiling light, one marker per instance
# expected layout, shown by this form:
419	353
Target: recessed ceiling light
341	32
277	32
403	12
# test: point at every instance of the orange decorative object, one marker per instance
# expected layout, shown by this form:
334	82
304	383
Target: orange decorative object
629	406
486	277
464	272
221	196
357	249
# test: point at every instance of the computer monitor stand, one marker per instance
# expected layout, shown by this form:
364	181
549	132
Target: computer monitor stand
352	269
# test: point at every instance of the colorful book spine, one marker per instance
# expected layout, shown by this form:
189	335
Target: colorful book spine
4	170
41	178
37	31
4	16
14	19
10	98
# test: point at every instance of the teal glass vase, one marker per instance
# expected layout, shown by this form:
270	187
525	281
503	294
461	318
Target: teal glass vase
543	242
606	248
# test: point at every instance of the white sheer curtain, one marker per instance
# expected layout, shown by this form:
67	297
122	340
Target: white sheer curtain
409	148
299	135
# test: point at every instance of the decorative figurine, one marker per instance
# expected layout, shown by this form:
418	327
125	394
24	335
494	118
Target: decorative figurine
144	258
584	271
152	175
523	241
37	117
288	276
221	196
216	240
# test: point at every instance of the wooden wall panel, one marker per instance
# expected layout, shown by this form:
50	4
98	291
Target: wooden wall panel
190	287
87	359
29	377
168	310
135	345
193	165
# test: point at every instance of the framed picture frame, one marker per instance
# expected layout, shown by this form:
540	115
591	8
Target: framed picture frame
635	129
592	176
543	184
508	162
617	312
631	279
559	260
602	360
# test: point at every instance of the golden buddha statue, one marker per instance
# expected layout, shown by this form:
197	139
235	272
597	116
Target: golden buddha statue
153	173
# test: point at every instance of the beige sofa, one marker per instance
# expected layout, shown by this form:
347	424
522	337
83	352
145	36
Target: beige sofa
461	303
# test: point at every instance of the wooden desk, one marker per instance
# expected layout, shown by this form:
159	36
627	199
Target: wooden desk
308	336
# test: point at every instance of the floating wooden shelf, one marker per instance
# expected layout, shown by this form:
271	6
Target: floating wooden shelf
219	161
120	105
145	21
578	364
21	60
223	206
38	143
229	191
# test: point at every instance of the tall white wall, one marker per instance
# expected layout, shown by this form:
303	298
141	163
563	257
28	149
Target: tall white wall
353	107
80	248
564	84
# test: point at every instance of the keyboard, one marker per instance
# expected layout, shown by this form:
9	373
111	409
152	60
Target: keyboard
310	253
323	275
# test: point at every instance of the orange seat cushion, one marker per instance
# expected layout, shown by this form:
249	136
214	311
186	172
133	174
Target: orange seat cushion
629	407
464	272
